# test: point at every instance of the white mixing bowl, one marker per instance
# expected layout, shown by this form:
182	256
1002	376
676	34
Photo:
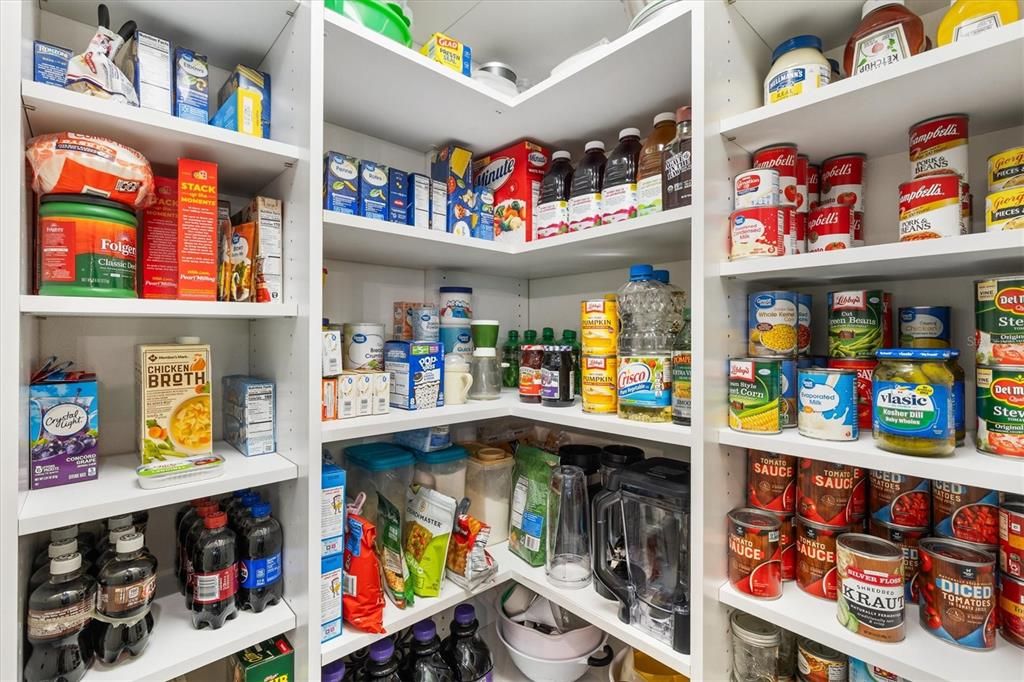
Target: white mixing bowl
564	670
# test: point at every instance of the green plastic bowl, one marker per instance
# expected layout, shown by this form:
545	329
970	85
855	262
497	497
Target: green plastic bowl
385	18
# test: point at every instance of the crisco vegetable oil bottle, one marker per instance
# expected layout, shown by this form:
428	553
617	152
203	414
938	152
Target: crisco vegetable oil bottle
645	348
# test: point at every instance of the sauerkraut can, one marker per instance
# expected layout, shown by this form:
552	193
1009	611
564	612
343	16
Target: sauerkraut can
855	320
871	600
1006	169
999	321
1000	409
827	404
772	324
930	208
939	145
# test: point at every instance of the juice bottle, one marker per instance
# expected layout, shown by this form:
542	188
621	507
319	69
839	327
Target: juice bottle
59	611
645	348
465	651
510	361
569	339
260	560
382	664
677	164
529	337
423	662
618	194
553	201
127	584
585	189
648	177
888	33
213	583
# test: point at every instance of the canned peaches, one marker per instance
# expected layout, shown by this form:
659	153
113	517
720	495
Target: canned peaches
754	565
939	145
930	208
599	326
1006	169
599	384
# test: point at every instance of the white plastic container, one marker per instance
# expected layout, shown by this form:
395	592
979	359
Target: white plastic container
443	470
488	486
798	67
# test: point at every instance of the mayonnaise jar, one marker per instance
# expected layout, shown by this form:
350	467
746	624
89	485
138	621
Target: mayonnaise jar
798	67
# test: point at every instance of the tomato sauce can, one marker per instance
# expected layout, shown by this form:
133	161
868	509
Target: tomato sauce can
1011	539
802	172
772	324
771	481
958	593
871	599
830	494
830	228
965	513
907	539
939	145
999	321
930	208
813	186
864	370
842	181
783	158
818	663
1004	210
816	557
1000	409
1011	609
899	499
757	232
803	324
787	546
1006	169
754	565
756	187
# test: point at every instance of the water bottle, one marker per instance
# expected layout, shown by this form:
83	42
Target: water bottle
259	546
645	347
678	301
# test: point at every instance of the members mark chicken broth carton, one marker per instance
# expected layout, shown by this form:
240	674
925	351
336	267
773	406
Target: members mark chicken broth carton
514	175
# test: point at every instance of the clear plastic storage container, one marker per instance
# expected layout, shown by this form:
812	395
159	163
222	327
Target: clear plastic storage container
488	486
374	468
443	470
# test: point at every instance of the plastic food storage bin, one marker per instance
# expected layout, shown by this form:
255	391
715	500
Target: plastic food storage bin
376	468
443	470
488	486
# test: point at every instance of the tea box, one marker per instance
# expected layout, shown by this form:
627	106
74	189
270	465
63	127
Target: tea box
175	400
242	78
267	271
63	429
197	230
417	374
268	661
49	63
398	193
341	183
249	420
191	85
449	52
373	190
514	175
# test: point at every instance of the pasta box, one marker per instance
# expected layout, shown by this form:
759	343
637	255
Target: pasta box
63	428
191	85
341	183
373	190
398	191
514	175
452	166
417	206
268	661
417	374
255	82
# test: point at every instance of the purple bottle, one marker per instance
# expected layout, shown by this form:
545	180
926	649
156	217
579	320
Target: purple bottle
465	651
382	665
333	672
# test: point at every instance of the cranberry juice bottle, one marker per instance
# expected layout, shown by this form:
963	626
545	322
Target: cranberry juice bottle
618	194
553	201
127	584
585	188
59	611
260	544
213	584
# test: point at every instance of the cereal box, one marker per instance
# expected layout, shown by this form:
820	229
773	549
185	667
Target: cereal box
452	166
341	183
398	195
249	422
373	190
158	267
438	206
267	273
174	391
483	216
449	52
63	428
514	175
197	230
191	85
252	81
417	374
269	661
49	63
417	206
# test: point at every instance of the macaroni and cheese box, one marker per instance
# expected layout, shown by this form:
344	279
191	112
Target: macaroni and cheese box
483	216
249	421
514	174
240	112
50	63
63	429
158	262
197	230
373	190
268	270
341	183
255	82
453	167
418	203
449	52
269	661
398	195
438	206
175	401
147	63
417	374
191	85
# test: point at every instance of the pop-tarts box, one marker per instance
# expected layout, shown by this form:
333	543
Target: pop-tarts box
49	63
398	195
330	597
256	82
438	206
373	190
191	85
483	216
341	183
417	373
418	203
332	509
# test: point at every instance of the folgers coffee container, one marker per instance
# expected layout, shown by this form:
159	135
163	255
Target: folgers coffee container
907	539
771	481
899	499
754	565
830	494
965	513
939	145
1010	608
757	232
1011	539
830	228
871	599
958	593
999	321
787	546
864	370
816	557
783	158
1000	409
930	208
818	663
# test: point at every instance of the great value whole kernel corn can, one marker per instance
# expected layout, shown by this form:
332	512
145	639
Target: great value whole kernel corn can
755	394
599	384
771	324
999	321
754	565
958	593
1000	409
599	326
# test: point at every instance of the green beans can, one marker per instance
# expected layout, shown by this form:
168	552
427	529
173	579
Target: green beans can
755	395
855	323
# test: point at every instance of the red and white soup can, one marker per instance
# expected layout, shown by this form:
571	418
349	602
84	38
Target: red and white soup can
781	157
813	185
801	233
842	181
756	187
939	145
930	208
830	228
802	170
858	228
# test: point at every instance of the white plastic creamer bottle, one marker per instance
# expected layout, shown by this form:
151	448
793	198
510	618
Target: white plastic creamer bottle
585	190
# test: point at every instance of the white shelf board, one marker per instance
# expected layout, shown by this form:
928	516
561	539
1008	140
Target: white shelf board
116	490
982	76
506	406
245	164
658	238
435	105
984	254
966	465
176	648
87	306
921	656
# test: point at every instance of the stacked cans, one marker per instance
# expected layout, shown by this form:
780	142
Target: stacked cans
599	326
999	336
1004	205
859	323
936	202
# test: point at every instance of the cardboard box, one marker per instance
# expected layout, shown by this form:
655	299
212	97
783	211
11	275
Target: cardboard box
418	203
270	661
328	398
197	230
417	374
483	222
330	597
331	350
174	390
241	113
373	190
268	271
347	396
452	166
191	85
514	174
158	264
256	82
438	206
381	393
332	509
341	183
449	52
64	429
401	327
364	394
250	423
147	64
398	191
50	63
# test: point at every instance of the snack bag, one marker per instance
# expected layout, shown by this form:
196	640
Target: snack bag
389	551
362	598
95	72
428	529
531	477
469	563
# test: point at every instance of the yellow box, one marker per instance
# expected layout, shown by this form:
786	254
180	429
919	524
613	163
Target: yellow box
449	52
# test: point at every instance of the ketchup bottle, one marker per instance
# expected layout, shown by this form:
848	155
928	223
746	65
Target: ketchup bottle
888	33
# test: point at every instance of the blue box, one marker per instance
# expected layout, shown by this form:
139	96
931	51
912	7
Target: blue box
191	85
398	191
332	509
63	429
341	183
417	373
241	113
258	82
438	206
373	190
483	214
418	201
330	597
49	63
453	166
250	423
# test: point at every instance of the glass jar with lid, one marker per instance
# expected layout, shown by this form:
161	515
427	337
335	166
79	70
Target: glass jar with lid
798	67
755	648
912	401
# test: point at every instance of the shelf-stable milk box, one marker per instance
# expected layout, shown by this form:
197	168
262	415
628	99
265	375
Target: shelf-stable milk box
417	374
514	175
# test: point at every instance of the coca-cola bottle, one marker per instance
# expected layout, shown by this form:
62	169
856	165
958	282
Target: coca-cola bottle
59	611
191	519
213	582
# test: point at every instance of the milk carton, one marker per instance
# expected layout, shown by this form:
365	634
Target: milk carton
417	374
341	183
514	175
398	195
249	421
364	393
347	394
373	190
417	206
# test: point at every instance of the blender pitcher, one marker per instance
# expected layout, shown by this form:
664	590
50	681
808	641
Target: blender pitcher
652	501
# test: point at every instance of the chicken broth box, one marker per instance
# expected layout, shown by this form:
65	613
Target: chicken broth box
175	417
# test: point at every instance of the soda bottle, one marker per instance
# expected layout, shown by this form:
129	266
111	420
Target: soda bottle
188	519
677	164
59	612
569	339
114	523
645	347
260	545
529	337
510	361
382	665
140	519
86	544
585	189
682	377
464	650
54	550
618	193
553	200
213	582
547	336
333	672
110	552
127	584
648	183
236	499
424	662
241	511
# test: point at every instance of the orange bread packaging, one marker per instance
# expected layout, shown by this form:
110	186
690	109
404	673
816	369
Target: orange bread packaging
197	230
158	267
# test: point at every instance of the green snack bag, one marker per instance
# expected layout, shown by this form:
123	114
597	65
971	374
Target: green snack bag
389	547
528	528
429	517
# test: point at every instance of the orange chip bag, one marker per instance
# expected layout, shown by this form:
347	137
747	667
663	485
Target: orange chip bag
469	563
362	602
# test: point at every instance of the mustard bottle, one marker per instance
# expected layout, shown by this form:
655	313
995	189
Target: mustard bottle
966	18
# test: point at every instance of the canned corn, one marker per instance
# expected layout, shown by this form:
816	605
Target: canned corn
772	324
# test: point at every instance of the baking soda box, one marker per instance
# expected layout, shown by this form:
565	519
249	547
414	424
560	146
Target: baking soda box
197	230
158	268
514	175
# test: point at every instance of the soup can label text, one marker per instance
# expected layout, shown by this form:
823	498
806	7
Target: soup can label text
842	181
1000	409
958	586
999	321
827	404
771	481
780	157
930	208
939	145
830	228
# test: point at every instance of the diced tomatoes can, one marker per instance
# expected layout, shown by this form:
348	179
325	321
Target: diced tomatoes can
1006	169
899	499
864	369
757	232
802	170
781	157
771	481
803	324
1011	539
855	323
842	180
1000	410
939	145
830	228
907	539
830	493
1011	609
772	324
999	321
965	513
816	557
813	185
1004	210
958	593
930	208
756	187
754	565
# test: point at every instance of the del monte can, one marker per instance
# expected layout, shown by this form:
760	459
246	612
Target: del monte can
999	321
1000	407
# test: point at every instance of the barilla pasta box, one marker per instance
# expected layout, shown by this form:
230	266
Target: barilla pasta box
255	82
269	661
417	374
373	190
514	175
191	85
449	52
398	195
483	218
158	265
49	63
417	206
197	230
453	166
341	183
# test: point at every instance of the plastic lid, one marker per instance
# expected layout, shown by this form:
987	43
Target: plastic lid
586	457
216	520
796	43
640	272
67	563
250	499
616	456
662	276
119	521
665	116
490	456
456	290
871	5
187	340
835	63
64	533
261	510
754	630
117	533
684	114
207	509
455	362
569	334
476	323
131	542
333	671
451	453
379	457
914	354
56	549
485	352
594	144
382	650
465	614
200	501
561	154
424	631
84	199
629	132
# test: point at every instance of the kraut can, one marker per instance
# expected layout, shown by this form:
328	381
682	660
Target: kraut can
871	599
939	145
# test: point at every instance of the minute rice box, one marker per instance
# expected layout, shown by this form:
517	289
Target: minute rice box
417	374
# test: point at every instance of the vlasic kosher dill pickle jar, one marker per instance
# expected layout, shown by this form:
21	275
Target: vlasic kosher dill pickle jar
912	402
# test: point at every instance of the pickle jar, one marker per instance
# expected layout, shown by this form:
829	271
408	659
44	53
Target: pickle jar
959	407
912	402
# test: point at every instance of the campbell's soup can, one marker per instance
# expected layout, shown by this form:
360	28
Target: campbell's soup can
1011	609
1011	539
958	593
800	244
599	326
930	208
830	228
771	481
756	187
842	181
965	513
789	239
754	565
813	185
599	384
858	228
939	145
757	232
802	170
1006	169
781	157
